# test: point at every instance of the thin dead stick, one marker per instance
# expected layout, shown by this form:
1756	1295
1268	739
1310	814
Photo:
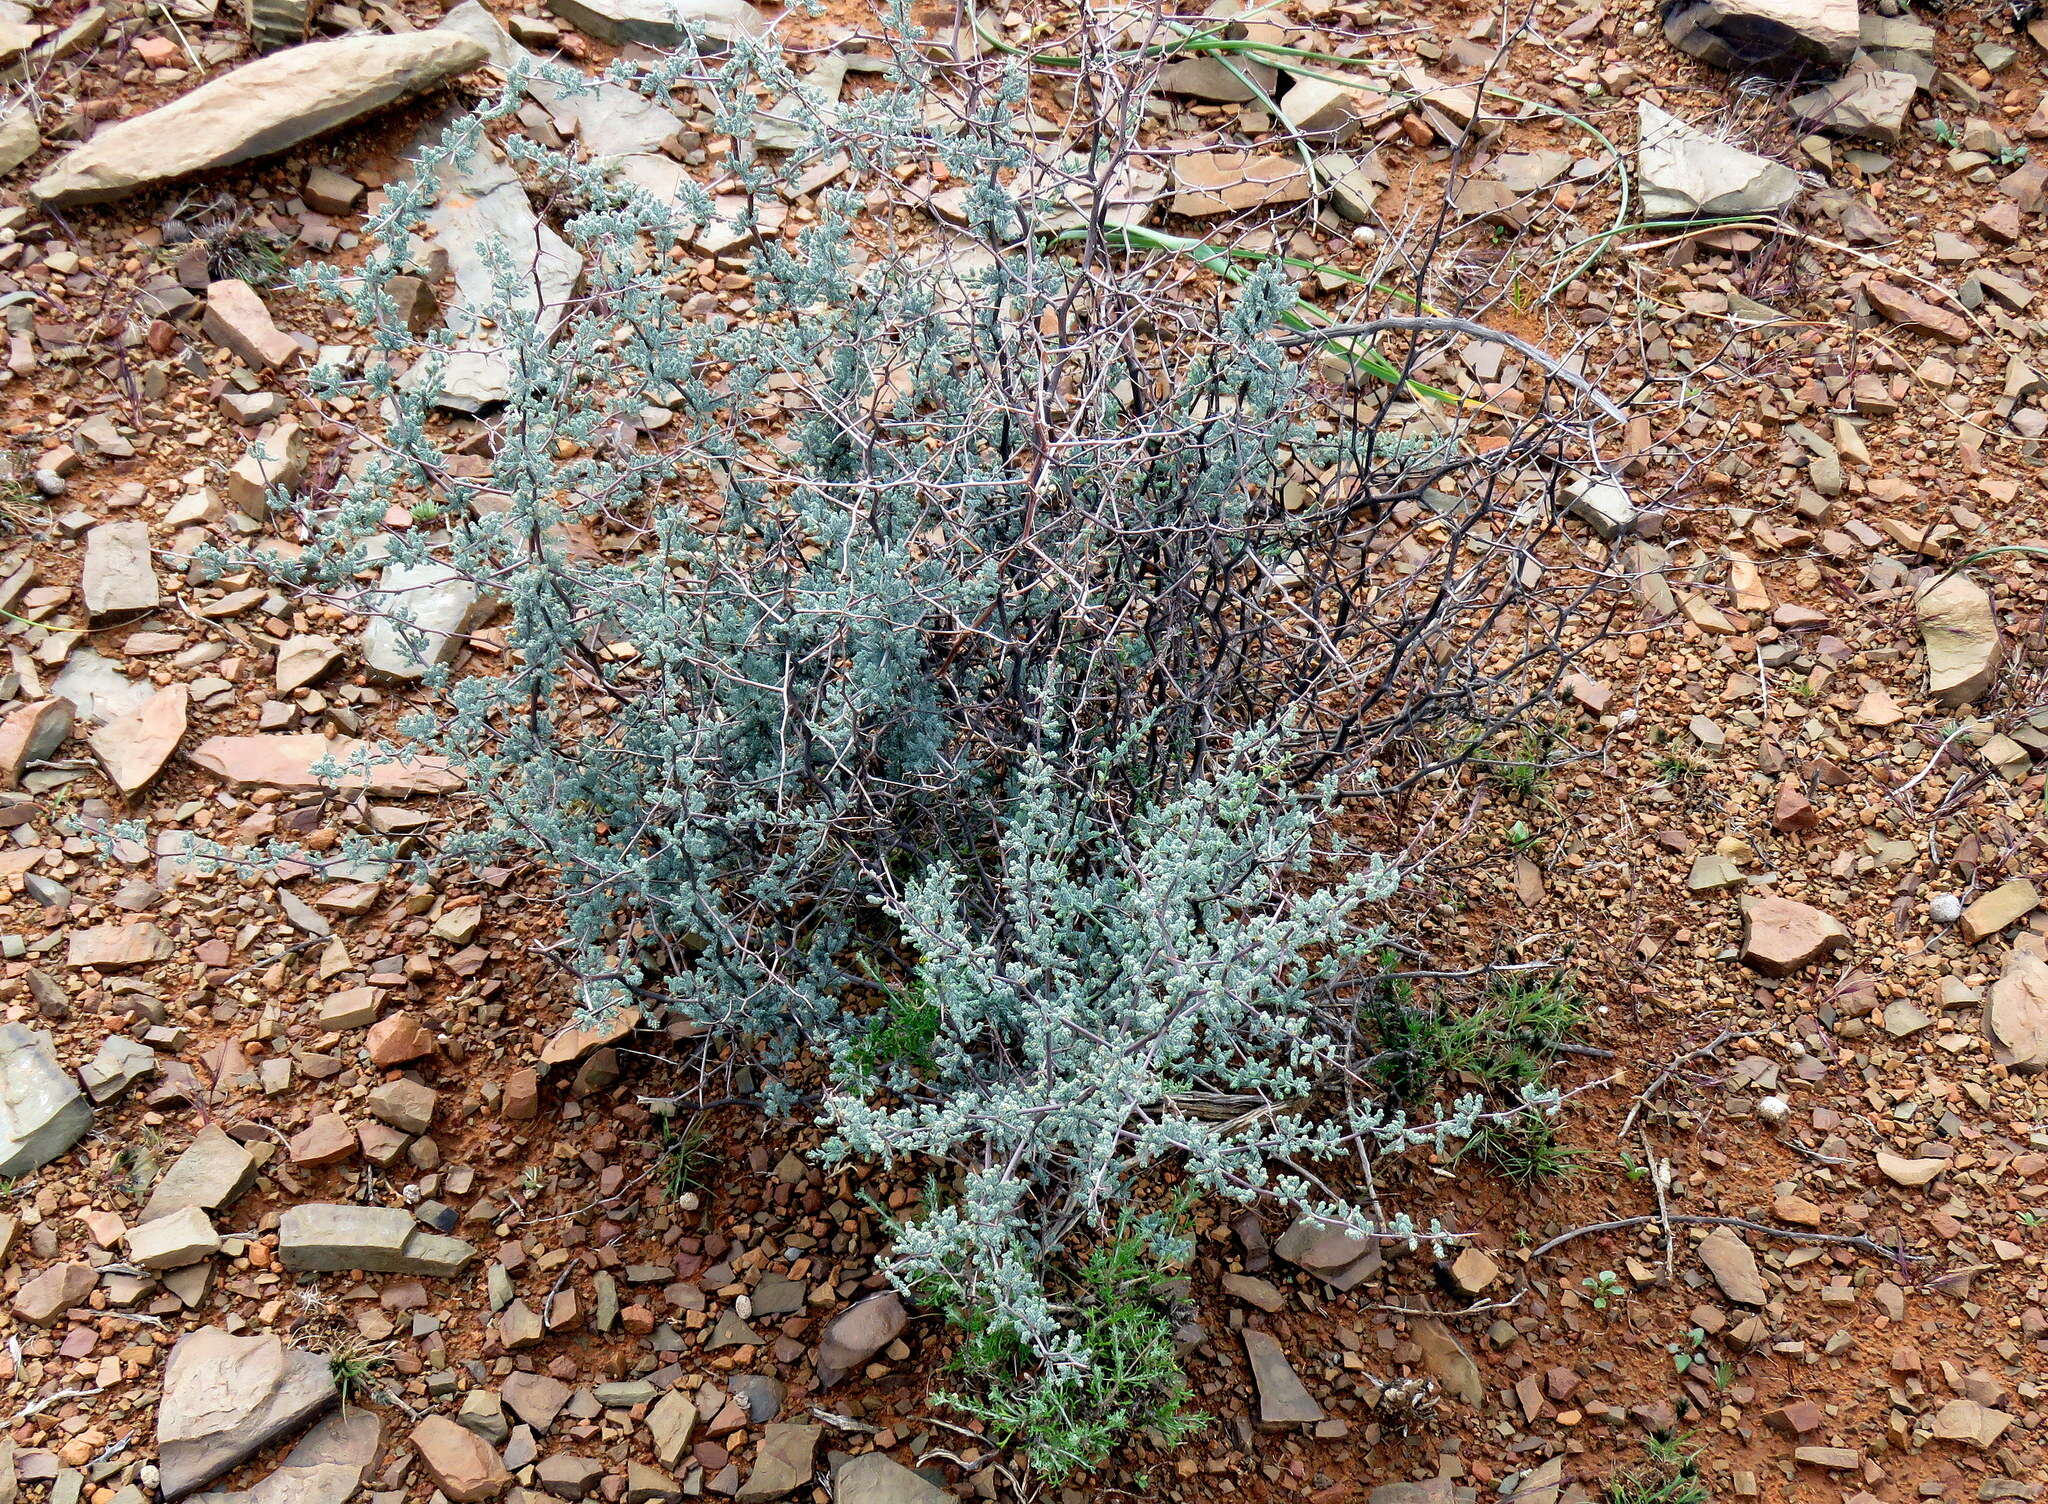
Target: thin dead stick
1664	1075
1856	1241
1656	1168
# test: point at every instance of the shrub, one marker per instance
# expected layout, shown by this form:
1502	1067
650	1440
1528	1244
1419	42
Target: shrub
919	684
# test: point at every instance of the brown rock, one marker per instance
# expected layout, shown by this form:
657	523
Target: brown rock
520	1099
1959	630
1916	314
462	1464
112	947
31	733
1967	1421
856	1334
237	319
1446	1359
286	762
1908	1172
1734	1267
327	1140
134	748
1224	182
1782	935
2004	905
56	1290
398	1038
2016	1013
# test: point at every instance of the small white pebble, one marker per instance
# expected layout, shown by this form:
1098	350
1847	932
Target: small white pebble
1773	1110
689	1201
1944	908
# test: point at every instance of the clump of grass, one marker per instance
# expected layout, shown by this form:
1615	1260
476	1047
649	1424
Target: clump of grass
900	1033
1068	1419
1523	1149
684	1160
1522	769
355	1364
1671	1476
1507	1042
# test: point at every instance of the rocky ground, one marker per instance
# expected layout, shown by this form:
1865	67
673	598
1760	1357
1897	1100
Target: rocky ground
309	1193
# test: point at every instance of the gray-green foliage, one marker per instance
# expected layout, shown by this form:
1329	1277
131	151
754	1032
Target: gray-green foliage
897	629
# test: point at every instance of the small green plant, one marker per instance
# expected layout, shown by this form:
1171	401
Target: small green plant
1126	1374
684	1158
355	1363
2013	155
1521	839
1604	1289
2027	1219
1943	132
1507	1042
1675	769
1631	1168
1525	767
899	1033
1688	1351
1523	1149
1671	1476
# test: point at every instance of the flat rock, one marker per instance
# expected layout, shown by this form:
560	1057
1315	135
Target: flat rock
96	689
482	210
1334	1254
856	1334
783	1463
1733	1265
237	319
32	733
48	1295
114	947
1209	183
171	1242
2016	1012
327	1236
1283	1399
1959	631
1967	1421
535	1398
118	577
1684	171
2005	905
227	1397
19	138
1770	35
1900	1170
258	109
872	1478
212	1174
134	748
661	23
418	614
302	660
1448	1362
1915	314
462	1464
1782	935
287	762
42	1111
669	1426
116	1066
1868	106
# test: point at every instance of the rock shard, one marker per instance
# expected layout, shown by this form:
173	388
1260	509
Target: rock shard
258	109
